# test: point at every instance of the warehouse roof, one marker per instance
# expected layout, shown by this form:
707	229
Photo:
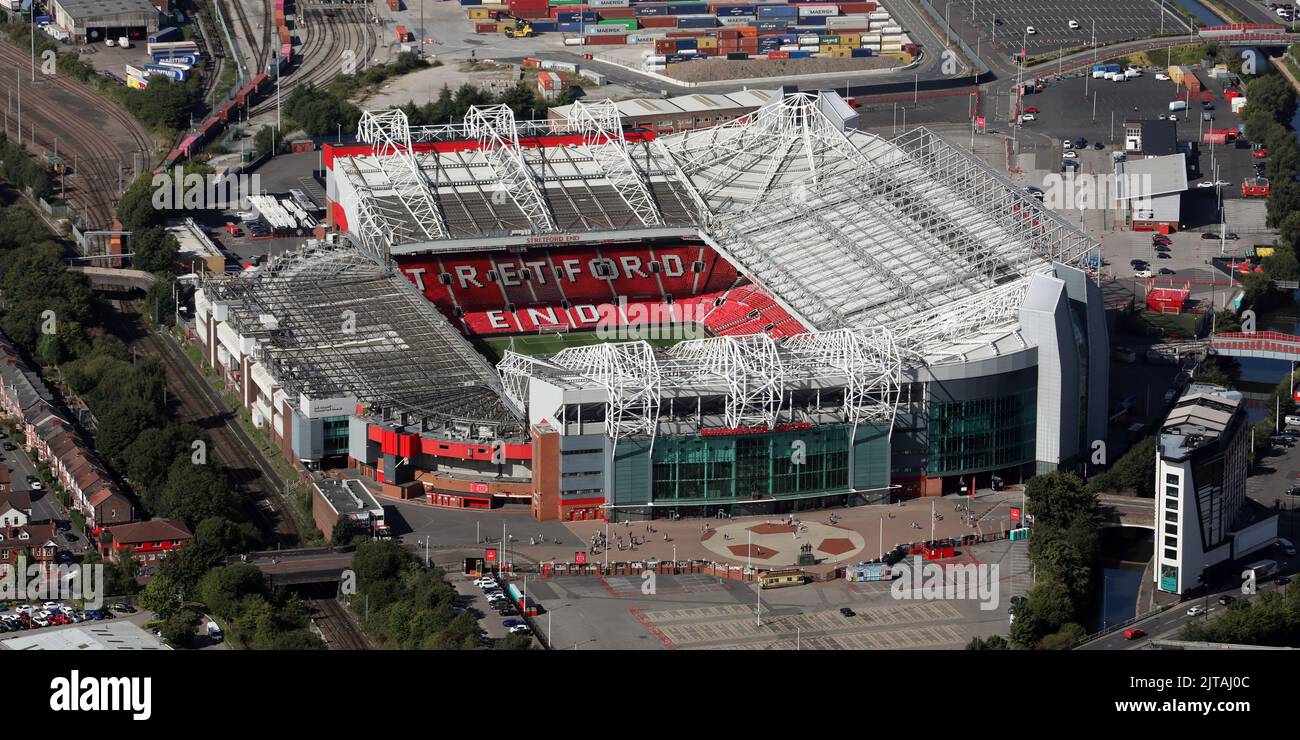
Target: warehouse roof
1144	178
83	9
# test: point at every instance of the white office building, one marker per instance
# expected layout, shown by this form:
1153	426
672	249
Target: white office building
1204	522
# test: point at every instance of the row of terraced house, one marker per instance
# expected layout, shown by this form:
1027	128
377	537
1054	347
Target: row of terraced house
53	441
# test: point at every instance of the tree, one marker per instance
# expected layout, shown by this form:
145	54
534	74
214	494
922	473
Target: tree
1289	230
1256	286
178	628
1134	471
163	595
523	642
227	536
996	642
265	141
225	589
1067	637
155	249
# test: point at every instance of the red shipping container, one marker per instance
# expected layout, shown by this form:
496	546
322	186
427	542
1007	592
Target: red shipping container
728	33
617	14
665	46
658	21
778	55
609	40
485	28
856	8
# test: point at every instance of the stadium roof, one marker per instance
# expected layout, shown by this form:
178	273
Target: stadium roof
334	322
846	229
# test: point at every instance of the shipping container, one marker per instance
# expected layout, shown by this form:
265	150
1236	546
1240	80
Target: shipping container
608	3
174	73
723	10
818	10
172	46
606	39
658	21
697	21
488	27
778	11
652	9
165	34
613	14
545	26
571	16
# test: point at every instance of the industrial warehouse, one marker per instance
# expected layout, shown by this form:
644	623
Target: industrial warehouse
863	319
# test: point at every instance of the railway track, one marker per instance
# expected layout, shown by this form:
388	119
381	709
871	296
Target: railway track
261	47
324	34
196	404
65	111
340	630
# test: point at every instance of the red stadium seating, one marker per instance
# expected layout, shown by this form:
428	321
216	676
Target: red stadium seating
584	287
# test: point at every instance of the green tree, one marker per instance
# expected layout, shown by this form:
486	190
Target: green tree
1134	471
996	642
1067	637
155	249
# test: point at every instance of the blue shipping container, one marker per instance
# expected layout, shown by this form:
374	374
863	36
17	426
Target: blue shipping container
574	27
544	26
179	75
860	53
181	59
736	10
778	11
813	20
471	2
697	22
687	44
573	16
675	58
690	8
772	25
652	10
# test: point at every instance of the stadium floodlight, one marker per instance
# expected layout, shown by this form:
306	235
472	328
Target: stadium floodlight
389	134
493	126
602	128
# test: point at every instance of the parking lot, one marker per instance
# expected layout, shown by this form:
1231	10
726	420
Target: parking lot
1002	23
700	612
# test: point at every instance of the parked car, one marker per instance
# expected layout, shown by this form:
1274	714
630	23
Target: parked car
520	629
1226	599
123	608
1098	145
1070	154
1282	580
1167	271
1285	545
847	612
1207	235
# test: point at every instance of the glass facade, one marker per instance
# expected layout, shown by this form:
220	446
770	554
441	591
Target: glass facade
982	434
335	438
745	467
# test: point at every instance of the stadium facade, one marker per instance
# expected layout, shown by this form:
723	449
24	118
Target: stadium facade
868	318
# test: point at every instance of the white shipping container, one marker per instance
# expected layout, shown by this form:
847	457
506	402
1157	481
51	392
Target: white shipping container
607	3
655	67
874	37
891	29
655	59
595	30
789	47
573	41
596	78
806	11
737	20
879	15
809	39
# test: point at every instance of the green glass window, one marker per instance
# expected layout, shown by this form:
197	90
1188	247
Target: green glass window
982	433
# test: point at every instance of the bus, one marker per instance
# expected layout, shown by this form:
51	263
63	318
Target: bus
781	578
1261	570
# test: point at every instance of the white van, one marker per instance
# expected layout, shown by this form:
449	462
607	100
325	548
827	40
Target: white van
1292	420
109	42
1177	105
1132	72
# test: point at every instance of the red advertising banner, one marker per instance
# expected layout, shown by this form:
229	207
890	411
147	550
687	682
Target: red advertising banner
580	558
478	488
491	555
1015	513
980	121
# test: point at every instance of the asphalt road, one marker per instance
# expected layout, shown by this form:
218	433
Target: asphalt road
46	506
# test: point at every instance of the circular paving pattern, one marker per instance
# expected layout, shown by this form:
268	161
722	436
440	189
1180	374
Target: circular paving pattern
778	544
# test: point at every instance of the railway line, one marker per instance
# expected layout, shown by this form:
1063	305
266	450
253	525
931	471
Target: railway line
337	627
261	47
324	34
196	404
58	109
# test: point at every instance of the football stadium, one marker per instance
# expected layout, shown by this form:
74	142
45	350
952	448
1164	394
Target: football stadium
778	313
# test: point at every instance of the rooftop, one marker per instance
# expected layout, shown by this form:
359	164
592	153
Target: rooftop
347	496
82	9
1152	176
118	634
1200	417
334	322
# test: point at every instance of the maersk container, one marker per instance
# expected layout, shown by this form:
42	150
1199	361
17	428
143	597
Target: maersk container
806	11
736	20
605	4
